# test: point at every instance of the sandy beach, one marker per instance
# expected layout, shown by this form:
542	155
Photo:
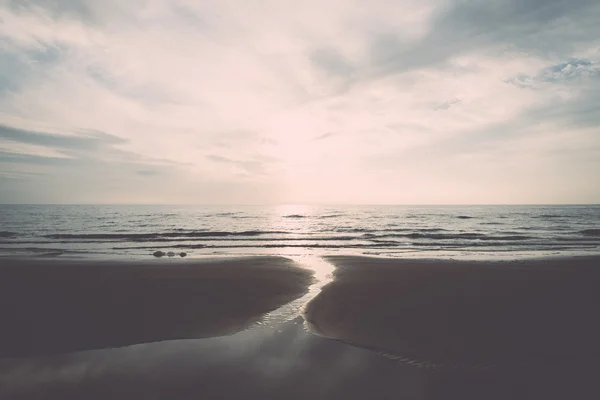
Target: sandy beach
448	329
50	306
482	313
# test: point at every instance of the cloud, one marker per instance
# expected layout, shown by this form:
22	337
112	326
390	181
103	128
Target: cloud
86	167
574	86
148	172
325	136
571	70
446	104
85	140
255	167
574	70
223	94
539	28
330	61
56	8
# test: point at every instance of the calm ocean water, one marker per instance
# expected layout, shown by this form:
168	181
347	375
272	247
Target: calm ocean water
394	231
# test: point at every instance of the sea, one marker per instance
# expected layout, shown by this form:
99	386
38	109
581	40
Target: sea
139	231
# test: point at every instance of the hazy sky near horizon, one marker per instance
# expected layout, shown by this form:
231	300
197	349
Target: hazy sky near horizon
273	101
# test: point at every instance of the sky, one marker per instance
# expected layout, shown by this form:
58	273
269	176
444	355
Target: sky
280	101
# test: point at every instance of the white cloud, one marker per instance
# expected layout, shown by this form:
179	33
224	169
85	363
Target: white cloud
237	93
15	147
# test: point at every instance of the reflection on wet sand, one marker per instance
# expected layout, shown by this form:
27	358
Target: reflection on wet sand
284	362
265	363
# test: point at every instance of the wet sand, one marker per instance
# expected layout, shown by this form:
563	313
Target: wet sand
510	313
280	362
283	362
465	313
52	306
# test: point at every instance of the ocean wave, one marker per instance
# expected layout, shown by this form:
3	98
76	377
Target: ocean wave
204	239
591	239
262	239
499	244
508	237
464	217
365	239
386	245
150	236
446	236
258	235
496	245
331	216
450	236
392	243
295	216
590	232
410	230
8	234
374	231
41	250
370	235
258	246
350	230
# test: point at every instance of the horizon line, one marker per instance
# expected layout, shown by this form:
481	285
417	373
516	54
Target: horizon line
301	204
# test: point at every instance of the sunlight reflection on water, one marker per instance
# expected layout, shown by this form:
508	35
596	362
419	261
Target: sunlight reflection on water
323	274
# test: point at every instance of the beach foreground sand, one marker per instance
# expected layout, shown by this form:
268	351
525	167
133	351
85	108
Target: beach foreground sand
271	362
448	312
461	313
68	305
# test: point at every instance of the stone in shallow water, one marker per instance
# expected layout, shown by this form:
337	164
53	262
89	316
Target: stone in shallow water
183	254
171	254
158	253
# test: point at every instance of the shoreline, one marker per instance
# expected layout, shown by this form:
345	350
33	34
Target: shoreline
293	252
